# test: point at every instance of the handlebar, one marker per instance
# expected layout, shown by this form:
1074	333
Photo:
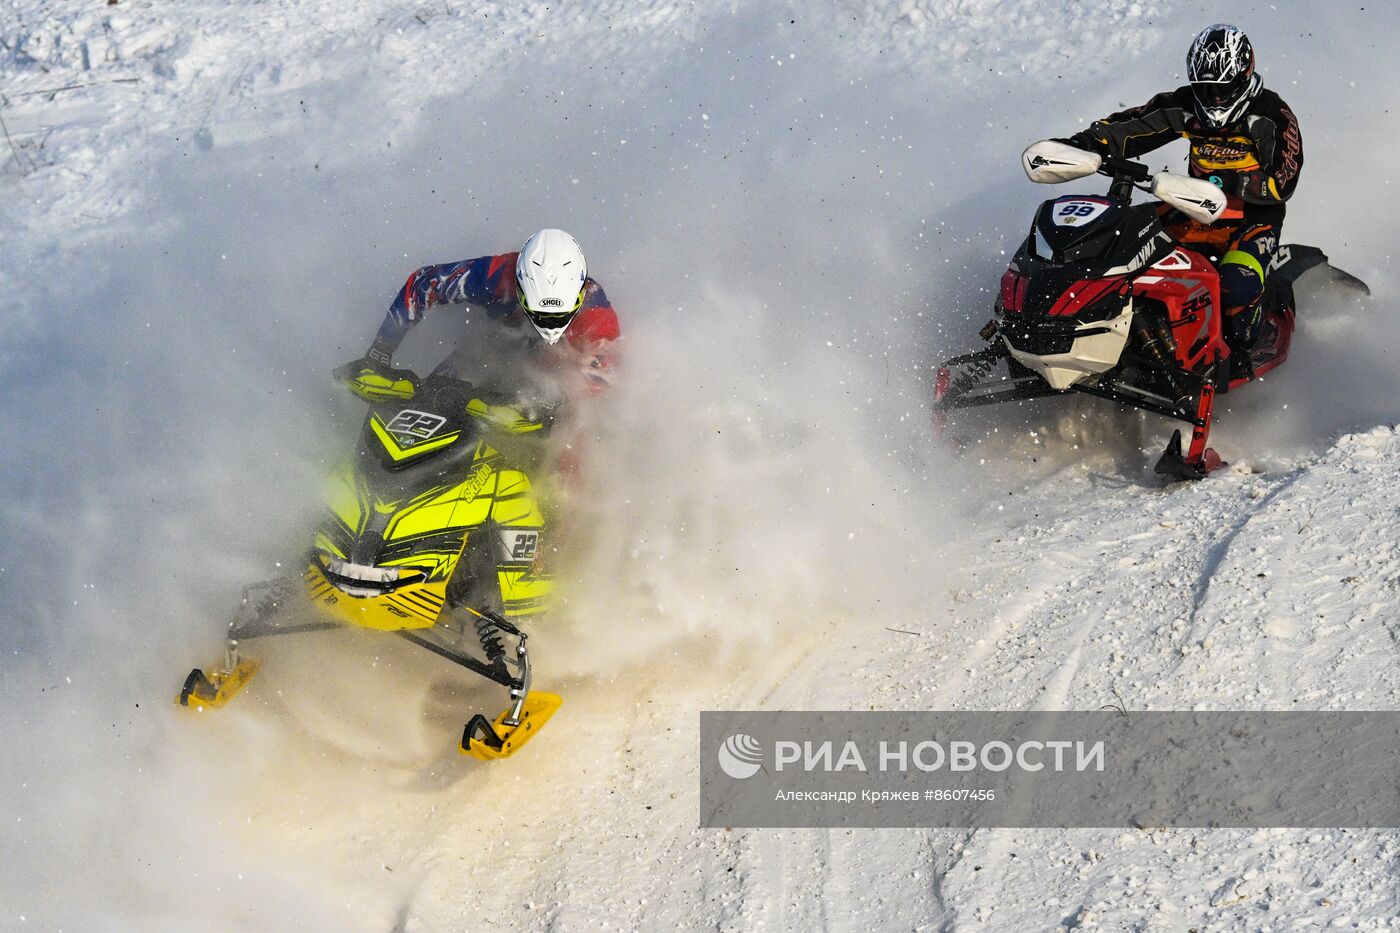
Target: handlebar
1052	161
444	393
1119	167
1126	174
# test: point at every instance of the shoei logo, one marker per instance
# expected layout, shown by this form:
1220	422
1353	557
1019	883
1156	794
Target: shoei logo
551	303
740	756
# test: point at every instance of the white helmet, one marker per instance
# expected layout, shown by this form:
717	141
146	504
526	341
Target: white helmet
550	273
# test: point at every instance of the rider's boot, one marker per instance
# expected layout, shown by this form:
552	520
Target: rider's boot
1243	333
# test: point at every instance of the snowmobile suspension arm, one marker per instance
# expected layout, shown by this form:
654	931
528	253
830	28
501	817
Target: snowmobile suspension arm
244	633
970	394
1035	387
497	673
260	616
1132	399
1009	390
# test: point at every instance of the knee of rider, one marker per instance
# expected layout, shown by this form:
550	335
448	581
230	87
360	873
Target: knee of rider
1240	286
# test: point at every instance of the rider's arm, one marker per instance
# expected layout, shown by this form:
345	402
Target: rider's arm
1280	145
1132	132
593	335
482	281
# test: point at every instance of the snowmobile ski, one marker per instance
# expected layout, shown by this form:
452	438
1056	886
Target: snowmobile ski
487	741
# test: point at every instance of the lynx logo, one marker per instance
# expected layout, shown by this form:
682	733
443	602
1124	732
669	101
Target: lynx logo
411	426
520	545
1148	248
740	756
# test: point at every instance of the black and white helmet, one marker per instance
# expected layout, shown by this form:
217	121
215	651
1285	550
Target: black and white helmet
1220	67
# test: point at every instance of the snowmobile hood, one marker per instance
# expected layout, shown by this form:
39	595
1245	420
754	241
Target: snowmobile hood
409	435
1096	234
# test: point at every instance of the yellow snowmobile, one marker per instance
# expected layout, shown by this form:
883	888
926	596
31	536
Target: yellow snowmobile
432	533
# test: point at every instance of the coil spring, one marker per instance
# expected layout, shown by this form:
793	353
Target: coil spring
973	374
490	637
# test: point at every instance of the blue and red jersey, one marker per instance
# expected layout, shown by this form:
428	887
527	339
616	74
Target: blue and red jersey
489	282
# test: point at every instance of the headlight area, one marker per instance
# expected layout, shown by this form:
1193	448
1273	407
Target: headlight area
364	580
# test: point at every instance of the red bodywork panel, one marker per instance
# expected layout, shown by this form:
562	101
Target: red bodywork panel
1084	293
1188	285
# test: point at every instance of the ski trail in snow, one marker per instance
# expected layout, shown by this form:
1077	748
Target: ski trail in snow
1220	549
1114	629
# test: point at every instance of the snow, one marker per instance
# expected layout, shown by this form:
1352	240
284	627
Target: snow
797	209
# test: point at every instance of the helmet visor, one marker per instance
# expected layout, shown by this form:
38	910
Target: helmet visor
1220	94
551	319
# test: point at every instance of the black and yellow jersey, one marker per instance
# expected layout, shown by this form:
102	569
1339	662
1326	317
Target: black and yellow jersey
1255	160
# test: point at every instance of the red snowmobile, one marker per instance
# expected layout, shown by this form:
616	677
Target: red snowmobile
1100	299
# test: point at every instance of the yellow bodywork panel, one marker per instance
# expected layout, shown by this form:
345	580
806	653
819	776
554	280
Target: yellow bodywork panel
523	592
525	589
487	496
504	417
515	502
323	543
374	386
459	506
345	496
430	517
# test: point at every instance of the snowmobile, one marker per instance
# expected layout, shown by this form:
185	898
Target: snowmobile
432	533
1099	299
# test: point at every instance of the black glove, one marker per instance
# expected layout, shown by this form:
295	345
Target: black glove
1085	140
1257	188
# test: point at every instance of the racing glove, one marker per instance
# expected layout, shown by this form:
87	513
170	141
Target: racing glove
373	379
1086	140
1257	188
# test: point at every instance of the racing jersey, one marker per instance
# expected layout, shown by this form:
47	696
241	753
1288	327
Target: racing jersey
1255	160
489	282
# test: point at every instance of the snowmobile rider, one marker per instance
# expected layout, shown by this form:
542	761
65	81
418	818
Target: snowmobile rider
1244	139
546	284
